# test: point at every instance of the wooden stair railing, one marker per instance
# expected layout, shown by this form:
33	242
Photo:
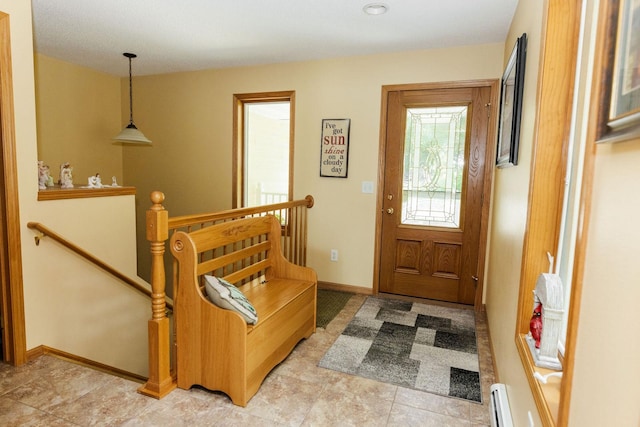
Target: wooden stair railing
293	217
160	381
47	232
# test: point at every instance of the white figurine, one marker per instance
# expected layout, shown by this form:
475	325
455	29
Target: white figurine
95	181
66	178
114	183
43	175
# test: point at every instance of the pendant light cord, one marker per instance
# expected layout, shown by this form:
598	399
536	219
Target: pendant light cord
130	94
130	56
130	134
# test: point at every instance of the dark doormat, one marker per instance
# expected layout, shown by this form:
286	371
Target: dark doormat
330	303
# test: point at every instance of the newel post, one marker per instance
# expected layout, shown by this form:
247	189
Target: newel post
160	382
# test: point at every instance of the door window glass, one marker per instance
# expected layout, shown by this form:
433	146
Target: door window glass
434	166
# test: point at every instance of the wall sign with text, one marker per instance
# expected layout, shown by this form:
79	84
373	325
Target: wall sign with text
334	148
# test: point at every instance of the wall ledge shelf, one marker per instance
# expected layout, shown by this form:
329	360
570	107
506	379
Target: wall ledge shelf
57	193
546	396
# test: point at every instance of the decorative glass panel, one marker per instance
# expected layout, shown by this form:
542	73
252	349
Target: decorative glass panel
433	166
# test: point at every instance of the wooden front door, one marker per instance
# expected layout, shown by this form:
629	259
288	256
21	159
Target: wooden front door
435	156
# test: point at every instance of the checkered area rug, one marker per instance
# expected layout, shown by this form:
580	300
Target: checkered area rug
414	345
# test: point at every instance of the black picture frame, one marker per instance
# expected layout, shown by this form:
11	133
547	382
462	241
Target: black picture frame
512	89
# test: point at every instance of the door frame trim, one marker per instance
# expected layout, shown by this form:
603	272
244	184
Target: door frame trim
15	347
490	154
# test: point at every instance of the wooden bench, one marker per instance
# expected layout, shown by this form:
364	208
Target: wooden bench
215	347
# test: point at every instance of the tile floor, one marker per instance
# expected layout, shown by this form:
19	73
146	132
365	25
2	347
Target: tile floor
49	391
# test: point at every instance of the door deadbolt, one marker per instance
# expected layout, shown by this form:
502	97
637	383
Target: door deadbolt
390	211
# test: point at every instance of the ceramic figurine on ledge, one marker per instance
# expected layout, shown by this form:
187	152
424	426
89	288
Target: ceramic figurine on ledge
43	175
95	181
114	183
545	325
66	178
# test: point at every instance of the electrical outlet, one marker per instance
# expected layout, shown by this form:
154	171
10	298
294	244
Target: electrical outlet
334	255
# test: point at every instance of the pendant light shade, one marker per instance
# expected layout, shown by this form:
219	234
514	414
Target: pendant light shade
130	134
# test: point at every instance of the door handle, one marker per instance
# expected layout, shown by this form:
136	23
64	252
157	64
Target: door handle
390	211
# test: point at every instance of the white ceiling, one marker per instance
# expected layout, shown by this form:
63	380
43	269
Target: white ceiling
172	35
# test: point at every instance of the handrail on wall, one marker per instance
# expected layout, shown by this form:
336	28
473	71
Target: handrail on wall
47	232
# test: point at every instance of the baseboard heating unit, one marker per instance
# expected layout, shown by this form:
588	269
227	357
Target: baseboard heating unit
499	404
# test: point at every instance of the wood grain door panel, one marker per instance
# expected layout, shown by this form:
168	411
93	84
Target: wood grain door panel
426	258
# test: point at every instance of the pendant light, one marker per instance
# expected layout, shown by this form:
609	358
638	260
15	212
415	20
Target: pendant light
130	134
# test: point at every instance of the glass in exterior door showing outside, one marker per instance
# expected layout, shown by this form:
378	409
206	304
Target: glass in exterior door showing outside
433	167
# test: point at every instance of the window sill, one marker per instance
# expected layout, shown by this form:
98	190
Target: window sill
546	396
57	193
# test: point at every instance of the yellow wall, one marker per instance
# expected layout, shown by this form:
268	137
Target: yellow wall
606	370
73	306
187	115
605	388
509	213
189	118
68	304
78	112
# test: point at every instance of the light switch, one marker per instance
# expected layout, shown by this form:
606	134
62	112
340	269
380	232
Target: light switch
367	187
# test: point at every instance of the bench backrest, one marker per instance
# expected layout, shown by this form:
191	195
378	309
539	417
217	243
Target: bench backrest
238	251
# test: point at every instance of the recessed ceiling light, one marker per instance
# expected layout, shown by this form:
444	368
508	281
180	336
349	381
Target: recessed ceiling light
375	8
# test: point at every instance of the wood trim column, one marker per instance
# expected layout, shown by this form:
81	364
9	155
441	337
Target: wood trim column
11	253
160	382
553	122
